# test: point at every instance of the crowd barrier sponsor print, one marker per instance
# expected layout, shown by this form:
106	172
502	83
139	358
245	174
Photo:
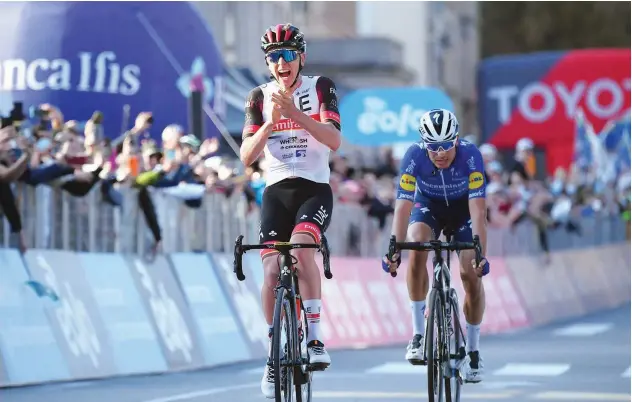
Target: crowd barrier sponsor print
246	299
217	323
82	314
169	311
74	318
134	341
26	337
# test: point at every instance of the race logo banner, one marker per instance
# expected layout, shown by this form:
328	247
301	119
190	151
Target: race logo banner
25	333
134	340
218	326
74	316
246	300
168	309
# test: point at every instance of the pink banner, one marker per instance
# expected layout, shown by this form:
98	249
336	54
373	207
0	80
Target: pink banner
363	306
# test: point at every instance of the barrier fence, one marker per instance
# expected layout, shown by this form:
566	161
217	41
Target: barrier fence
53	219
93	313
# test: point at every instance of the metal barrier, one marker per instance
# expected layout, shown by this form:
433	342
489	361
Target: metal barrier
53	219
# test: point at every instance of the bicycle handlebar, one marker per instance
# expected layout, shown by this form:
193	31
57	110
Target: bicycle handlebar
240	249
434	245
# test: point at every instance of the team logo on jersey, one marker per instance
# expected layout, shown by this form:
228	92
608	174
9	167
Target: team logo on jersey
407	182
476	180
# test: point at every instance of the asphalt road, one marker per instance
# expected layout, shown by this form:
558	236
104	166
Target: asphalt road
583	360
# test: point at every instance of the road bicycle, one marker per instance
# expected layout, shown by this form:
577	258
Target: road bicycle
289	360
444	338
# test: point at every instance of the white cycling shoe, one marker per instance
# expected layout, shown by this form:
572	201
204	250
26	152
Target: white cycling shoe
318	355
472	368
267	382
415	351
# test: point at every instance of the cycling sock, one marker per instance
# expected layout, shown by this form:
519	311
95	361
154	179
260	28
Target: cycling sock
419	321
312	315
473	335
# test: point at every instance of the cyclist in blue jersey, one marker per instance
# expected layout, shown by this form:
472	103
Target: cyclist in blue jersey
442	186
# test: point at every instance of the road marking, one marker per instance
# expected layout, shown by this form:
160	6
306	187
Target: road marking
397	368
402	395
536	370
580	396
583	329
499	385
626	373
203	392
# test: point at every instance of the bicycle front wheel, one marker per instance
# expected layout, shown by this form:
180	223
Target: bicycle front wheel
303	376
456	347
283	347
434	345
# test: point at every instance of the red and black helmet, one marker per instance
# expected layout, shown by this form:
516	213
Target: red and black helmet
283	36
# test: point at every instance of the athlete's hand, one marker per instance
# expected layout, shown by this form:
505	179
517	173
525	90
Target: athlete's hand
276	113
483	267
285	104
391	266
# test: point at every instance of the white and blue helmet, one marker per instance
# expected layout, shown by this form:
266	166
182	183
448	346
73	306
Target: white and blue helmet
438	125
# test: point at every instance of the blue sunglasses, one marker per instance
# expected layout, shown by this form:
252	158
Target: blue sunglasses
288	55
443	146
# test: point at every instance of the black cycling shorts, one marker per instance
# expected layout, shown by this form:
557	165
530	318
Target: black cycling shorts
294	205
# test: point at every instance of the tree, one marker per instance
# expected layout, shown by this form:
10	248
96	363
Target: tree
522	27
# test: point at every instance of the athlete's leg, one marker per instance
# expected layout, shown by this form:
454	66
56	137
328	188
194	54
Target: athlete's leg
421	229
473	305
275	226
312	220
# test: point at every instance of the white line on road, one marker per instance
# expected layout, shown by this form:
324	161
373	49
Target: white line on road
537	370
397	368
580	396
355	395
202	393
588	329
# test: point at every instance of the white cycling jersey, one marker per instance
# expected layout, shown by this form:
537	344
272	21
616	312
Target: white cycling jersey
290	150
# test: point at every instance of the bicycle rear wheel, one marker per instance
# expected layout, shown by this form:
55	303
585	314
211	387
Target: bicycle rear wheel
434	336
283	347
456	348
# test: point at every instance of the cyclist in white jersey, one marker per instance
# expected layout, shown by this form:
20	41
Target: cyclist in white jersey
294	121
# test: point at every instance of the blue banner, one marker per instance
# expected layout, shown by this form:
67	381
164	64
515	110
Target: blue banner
84	57
219	330
26	338
383	116
73	313
246	300
134	341
167	306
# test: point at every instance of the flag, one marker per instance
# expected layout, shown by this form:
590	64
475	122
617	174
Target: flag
615	131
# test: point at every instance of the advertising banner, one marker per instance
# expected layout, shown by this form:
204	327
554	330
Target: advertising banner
246	300
384	116
108	55
169	311
79	329
538	95
216	321
134	341
26	336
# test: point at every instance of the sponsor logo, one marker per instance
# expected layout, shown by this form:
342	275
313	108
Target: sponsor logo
301	153
478	193
287	156
476	180
321	215
471	164
407	182
537	102
57	74
411	167
408	197
293	146
293	140
72	315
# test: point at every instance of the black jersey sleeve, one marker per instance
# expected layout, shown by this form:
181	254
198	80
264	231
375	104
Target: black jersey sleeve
254	113
328	99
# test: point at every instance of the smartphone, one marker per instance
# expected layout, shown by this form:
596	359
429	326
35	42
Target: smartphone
43	144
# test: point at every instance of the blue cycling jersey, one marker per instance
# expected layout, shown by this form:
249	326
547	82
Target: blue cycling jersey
420	179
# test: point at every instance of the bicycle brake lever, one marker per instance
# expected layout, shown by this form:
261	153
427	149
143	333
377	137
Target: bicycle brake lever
392	249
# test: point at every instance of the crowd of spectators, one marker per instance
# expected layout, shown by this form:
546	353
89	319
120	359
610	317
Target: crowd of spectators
44	148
